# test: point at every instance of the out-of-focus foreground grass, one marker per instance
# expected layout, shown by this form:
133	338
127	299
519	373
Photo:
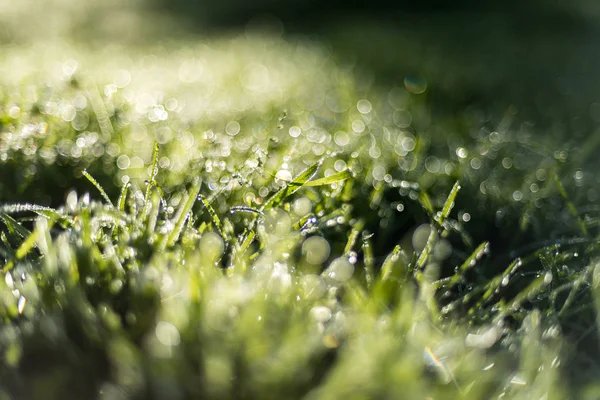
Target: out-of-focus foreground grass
247	217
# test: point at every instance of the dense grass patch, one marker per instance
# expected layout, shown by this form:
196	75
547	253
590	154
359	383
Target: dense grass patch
248	219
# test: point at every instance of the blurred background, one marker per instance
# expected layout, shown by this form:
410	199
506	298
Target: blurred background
539	55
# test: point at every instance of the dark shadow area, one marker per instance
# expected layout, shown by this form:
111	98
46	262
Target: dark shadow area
538	55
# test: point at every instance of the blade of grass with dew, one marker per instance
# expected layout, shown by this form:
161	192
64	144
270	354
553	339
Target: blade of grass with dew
25	207
428	206
14	227
390	281
529	292
330	220
151	181
246	209
470	262
292	187
334	178
448	205
98	187
353	237
28	244
7	251
426	252
426	203
570	206
185	210
302	223
376	195
575	286
494	285
369	259
154	211
123	196
213	215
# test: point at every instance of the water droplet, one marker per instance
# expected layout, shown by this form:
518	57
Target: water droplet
320	313
340	269
284	175
548	278
315	250
505	280
9	280
352	257
21	304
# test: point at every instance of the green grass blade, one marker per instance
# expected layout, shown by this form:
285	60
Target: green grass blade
213	215
424	256
369	260
335	178
449	204
353	237
570	206
391	278
123	196
28	244
184	212
426	203
151	181
293	186
25	207
98	186
14	227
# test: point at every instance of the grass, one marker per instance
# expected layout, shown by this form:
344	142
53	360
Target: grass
245	218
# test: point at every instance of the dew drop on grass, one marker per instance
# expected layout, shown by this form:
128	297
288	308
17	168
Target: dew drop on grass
340	269
284	175
505	280
301	206
315	250
21	304
352	257
320	313
9	280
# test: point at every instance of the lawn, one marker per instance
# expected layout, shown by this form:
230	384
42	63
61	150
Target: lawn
250	217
